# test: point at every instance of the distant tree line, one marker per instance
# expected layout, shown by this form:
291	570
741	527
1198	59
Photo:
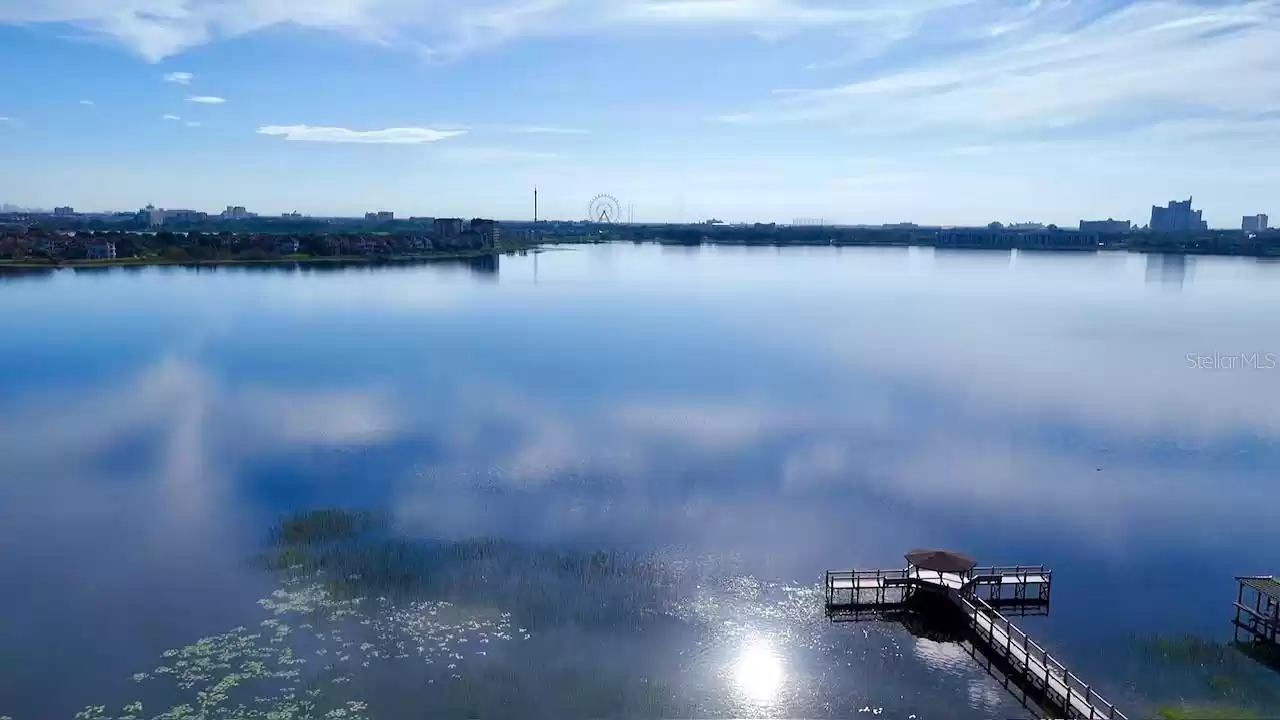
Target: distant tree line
42	242
1212	242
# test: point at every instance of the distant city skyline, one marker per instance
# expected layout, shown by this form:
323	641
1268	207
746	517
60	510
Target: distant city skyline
1175	216
931	111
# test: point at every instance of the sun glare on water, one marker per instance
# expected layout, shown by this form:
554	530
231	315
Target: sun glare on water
758	673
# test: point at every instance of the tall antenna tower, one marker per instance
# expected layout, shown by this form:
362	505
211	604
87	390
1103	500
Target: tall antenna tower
535	204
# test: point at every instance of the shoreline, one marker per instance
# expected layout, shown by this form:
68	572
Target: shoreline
1168	251
231	262
548	244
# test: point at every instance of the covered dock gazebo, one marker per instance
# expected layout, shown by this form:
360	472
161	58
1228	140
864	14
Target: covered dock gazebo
946	568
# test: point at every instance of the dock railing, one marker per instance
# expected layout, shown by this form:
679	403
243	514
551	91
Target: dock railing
1011	570
857	581
1057	679
834	577
1020	571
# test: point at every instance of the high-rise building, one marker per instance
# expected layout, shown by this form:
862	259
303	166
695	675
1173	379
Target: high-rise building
185	216
446	228
1105	227
487	229
1254	223
1177	217
64	211
380	216
236	212
151	215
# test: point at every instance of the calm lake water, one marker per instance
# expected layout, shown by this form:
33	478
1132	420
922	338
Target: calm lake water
611	477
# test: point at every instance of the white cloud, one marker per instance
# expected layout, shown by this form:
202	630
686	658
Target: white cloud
206	99
193	123
156	29
90	103
180	78
7	120
391	136
1069	65
784	12
170	117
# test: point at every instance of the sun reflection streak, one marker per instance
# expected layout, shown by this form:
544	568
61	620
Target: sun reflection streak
758	672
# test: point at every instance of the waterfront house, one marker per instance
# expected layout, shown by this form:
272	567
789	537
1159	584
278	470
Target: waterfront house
100	249
56	245
417	243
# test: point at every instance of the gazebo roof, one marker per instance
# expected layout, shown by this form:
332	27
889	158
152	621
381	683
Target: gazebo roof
945	561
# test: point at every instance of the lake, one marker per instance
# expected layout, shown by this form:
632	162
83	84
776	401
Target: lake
605	481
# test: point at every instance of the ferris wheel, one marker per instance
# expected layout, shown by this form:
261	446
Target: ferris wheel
604	209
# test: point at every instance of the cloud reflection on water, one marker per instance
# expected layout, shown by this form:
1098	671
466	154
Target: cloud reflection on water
823	438
688	469
623	470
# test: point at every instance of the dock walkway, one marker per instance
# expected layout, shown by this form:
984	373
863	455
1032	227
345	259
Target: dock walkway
1061	686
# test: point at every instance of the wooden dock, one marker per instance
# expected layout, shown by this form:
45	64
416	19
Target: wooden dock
1040	669
979	594
1259	619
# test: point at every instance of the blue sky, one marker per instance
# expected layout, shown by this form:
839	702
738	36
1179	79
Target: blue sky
940	111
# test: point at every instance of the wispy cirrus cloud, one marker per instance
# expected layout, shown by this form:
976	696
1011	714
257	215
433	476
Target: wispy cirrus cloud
206	100
388	136
179	78
171	117
1086	65
156	29
540	130
88	103
497	154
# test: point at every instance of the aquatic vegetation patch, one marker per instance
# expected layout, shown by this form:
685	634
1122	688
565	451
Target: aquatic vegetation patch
327	525
1188	648
546	586
298	662
1197	677
1266	655
1204	712
352	599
